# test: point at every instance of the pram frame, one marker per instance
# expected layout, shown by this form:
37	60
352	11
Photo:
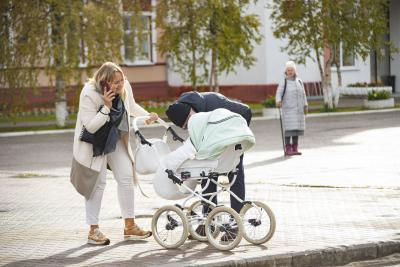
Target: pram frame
212	176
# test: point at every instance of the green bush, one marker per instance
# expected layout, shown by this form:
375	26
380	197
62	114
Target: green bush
269	102
378	95
365	84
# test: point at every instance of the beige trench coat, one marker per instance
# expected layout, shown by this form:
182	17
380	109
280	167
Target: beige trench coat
86	168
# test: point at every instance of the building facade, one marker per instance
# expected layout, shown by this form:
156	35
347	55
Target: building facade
151	78
262	78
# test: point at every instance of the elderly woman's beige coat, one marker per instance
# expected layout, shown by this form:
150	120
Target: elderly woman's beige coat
86	168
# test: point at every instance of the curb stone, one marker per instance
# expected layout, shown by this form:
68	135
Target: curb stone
326	114
335	256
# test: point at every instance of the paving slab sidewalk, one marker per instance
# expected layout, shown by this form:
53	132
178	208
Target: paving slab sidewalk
42	224
337	203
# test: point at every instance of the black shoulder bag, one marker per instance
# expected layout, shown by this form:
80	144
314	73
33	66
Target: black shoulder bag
87	137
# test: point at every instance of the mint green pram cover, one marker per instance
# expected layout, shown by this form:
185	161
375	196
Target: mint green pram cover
211	132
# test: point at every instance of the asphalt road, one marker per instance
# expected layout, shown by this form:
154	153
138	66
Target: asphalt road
52	151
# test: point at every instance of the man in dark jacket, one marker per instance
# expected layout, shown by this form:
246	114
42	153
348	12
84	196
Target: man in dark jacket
190	102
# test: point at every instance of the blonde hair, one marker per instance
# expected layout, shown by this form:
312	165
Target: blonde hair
106	73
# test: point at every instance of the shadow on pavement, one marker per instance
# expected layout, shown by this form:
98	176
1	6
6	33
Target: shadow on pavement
64	258
187	254
266	162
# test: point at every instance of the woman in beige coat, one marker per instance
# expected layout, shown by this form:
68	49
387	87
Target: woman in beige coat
106	105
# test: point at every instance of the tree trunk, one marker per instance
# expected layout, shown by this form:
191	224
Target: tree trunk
216	85
212	73
58	53
61	101
327	78
336	91
321	71
193	76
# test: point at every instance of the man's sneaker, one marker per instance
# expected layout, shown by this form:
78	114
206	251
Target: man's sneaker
135	233
97	238
229	235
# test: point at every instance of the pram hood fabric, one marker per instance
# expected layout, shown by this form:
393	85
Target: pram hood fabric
211	132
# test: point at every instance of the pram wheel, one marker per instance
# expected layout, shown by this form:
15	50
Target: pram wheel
169	226
224	228
196	219
258	222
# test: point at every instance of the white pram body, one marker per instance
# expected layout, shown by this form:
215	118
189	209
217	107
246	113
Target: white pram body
216	142
197	169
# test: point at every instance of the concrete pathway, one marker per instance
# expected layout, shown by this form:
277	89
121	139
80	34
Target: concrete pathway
338	202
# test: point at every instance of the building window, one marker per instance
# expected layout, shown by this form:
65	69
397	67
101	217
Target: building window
346	57
138	49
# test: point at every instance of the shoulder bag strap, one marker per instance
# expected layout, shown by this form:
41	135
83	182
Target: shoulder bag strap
284	89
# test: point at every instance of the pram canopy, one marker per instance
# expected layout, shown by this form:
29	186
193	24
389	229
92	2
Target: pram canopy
211	132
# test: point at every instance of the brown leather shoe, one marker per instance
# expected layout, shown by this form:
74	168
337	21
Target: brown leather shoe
97	238
135	233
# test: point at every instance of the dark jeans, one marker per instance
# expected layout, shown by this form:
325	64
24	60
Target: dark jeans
238	188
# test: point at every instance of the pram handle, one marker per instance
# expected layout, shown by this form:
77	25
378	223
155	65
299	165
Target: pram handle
175	136
143	140
175	179
142	118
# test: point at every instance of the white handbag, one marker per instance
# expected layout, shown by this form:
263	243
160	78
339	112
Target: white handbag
148	158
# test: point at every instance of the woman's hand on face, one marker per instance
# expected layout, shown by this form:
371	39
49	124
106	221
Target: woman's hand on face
153	118
108	97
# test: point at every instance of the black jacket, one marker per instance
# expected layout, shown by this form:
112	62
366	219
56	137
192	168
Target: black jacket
209	101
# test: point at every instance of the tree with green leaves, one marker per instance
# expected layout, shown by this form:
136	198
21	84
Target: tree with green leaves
315	29
61	39
205	38
182	25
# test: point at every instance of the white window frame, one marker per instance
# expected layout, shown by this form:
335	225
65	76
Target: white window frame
344	68
152	42
341	59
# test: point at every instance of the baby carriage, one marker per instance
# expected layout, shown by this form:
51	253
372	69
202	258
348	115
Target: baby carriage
217	141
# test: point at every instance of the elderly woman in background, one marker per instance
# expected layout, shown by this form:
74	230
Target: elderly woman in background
291	98
102	138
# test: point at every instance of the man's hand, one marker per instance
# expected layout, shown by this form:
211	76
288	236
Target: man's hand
279	104
305	109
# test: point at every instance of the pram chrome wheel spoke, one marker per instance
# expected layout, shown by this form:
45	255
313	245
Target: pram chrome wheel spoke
224	228
196	219
169	226
258	222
